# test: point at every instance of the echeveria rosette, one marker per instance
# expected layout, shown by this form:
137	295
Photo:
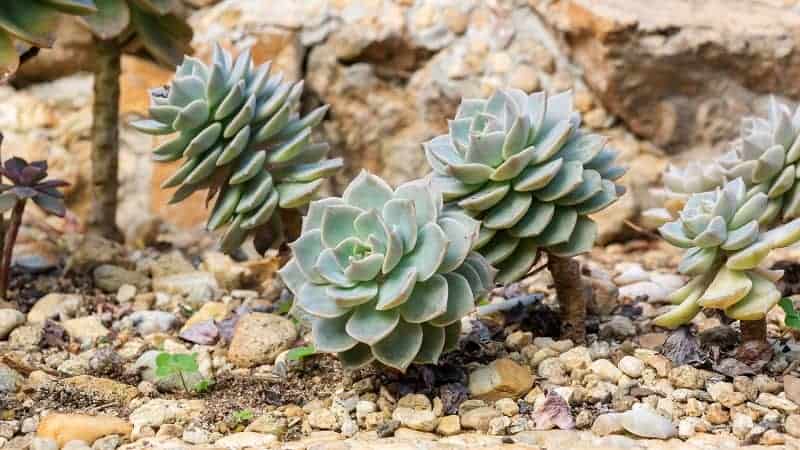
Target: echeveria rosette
238	130
522	165
386	274
28	182
766	157
33	22
724	249
679	185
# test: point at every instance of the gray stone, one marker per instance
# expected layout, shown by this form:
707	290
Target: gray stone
259	338
645	422
110	278
149	322
10	319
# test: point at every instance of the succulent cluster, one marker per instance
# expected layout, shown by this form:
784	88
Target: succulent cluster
724	245
522	165
155	24
765	157
28	182
386	274
33	22
239	133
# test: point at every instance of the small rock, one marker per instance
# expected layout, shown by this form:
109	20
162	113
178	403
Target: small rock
632	274
772	437
652	292
645	422
716	414
479	418
765	383
507	406
791	386
245	439
259	338
775	402
197	287
606	370
553	370
43	443
27	336
76	445
631	366
518	339
323	419
210	311
576	358
741	424
103	388
687	377
110	278
126	293
85	329
792	425
606	424
110	442
619	327
652	341
725	395
387	429
449	425
63	428
416	419
9	379
54	306
10	319
149	322
157	412
501	379
499	425
196	436
35	257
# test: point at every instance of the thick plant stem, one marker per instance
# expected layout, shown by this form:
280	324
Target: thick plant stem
8	246
105	141
2	220
571	294
753	330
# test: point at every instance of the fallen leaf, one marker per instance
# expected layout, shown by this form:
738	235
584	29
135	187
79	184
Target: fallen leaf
756	354
732	367
682	348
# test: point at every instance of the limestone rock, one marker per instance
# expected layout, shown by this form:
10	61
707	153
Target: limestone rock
259	338
54	306
103	388
85	329
10	319
501	379
645	422
245	439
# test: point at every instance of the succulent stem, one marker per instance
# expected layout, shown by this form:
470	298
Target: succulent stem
2	220
753	330
8	246
105	140
571	294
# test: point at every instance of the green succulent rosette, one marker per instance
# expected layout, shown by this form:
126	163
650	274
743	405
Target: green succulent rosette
679	185
239	133
724	247
33	22
386	274
522	165
767	158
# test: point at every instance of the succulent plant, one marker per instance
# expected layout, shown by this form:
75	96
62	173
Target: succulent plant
724	247
766	157
238	131
155	24
33	22
679	185
386	274
28	182
521	165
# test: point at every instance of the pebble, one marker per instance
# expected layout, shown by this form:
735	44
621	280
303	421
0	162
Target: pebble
245	439
606	424
156	412
499	425
772	437
687	377
259	338
196	436
323	419
502	378
741	424
43	443
632	274
10	319
103	388
110	442
479	418
507	406
631	366
197	287
85	329
716	414
54	306
518	339
149	322
653	292
619	327
643	421
791	386
576	358
210	311
126	293
606	370
449	425
553	370
415	419
775	402
63	428
792	425
110	278
76	445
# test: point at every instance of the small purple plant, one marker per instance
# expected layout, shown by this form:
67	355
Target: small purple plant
28	182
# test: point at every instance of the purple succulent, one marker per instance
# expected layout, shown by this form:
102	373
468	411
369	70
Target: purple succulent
28	182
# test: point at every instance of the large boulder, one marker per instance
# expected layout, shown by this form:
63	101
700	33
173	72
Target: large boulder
679	72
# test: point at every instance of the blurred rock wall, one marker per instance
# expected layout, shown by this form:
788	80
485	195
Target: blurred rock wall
666	80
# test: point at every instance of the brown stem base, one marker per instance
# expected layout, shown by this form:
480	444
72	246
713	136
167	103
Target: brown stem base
571	294
8	246
105	141
753	330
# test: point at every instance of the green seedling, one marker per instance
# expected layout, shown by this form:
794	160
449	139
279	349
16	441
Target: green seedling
168	364
242	416
298	353
792	319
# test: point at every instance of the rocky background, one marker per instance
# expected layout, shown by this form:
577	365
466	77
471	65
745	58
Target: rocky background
667	81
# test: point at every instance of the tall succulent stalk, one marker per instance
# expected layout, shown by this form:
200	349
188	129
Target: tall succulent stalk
10	237
105	140
571	294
